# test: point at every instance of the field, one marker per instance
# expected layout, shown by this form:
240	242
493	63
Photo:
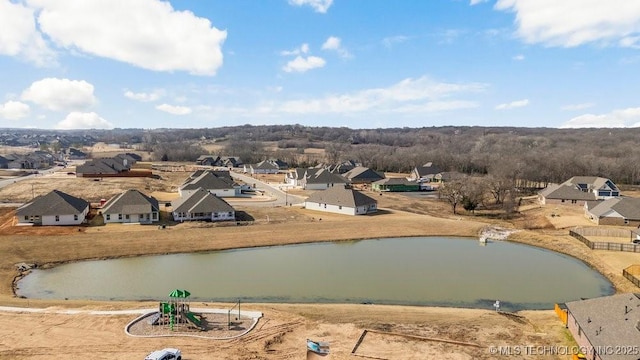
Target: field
284	328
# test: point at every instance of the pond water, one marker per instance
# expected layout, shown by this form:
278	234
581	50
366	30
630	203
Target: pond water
437	271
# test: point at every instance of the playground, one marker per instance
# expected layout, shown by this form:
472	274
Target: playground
176	317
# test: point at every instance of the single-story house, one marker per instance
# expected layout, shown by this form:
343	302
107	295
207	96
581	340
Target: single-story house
218	183
578	190
323	179
601	325
282	165
208	160
298	176
363	175
263	167
201	205
101	167
614	211
395	185
54	208
425	173
131	206
341	200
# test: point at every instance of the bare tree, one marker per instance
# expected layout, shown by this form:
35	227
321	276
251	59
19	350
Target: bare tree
452	192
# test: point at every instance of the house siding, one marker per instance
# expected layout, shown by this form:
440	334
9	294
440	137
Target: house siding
545	201
215	216
146	218
345	210
580	338
50	220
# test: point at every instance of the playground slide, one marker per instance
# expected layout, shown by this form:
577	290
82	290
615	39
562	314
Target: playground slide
191	317
153	320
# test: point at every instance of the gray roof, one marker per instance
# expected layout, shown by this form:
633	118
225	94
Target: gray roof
265	165
628	208
566	192
591	182
324	176
395	181
54	203
362	173
200	201
208	180
131	202
609	321
338	195
427	169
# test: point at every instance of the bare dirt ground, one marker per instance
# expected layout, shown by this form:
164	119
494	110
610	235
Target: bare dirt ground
282	332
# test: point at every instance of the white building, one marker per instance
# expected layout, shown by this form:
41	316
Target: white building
201	205
54	208
131	206
341	200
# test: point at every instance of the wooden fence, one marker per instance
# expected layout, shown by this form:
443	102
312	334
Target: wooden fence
597	231
631	273
601	245
562	314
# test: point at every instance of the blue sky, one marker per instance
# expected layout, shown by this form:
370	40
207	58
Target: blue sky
356	63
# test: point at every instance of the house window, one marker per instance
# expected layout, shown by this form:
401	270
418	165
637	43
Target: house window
562	200
574	201
75	217
215	215
57	217
119	216
26	218
126	216
230	213
340	207
325	206
626	221
108	216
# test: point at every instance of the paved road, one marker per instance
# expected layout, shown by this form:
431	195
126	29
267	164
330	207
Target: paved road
277	192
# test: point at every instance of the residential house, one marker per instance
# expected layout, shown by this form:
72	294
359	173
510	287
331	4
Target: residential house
363	175
343	167
54	208
395	185
282	165
341	200
614	211
208	160
100	167
4	162
298	176
323	179
230	161
75	154
263	167
218	183
131	206
201	205
425	173
604	326
578	190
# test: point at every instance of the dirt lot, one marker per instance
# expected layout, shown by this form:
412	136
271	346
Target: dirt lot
281	333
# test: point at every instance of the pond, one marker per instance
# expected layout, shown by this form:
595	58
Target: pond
436	271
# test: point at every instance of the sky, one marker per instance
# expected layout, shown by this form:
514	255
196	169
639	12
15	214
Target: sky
82	64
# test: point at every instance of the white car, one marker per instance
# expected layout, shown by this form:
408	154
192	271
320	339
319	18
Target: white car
165	354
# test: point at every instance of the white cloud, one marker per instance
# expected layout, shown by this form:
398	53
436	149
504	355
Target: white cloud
518	57
513	104
389	41
629	117
570	23
476	2
146	33
574	107
60	94
320	6
80	120
335	44
302	64
145	96
19	36
303	49
421	95
14	110
175	110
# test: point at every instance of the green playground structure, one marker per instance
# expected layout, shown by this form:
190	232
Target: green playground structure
175	312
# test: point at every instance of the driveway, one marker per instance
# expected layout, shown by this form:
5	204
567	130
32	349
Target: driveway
277	191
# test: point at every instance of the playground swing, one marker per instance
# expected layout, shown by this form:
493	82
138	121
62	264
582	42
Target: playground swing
176	311
229	322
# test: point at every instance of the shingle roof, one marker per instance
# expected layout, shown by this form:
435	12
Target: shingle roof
324	176
209	181
341	196
592	182
628	208
265	165
427	169
54	203
566	192
609	321
363	174
131	202
200	201
395	181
